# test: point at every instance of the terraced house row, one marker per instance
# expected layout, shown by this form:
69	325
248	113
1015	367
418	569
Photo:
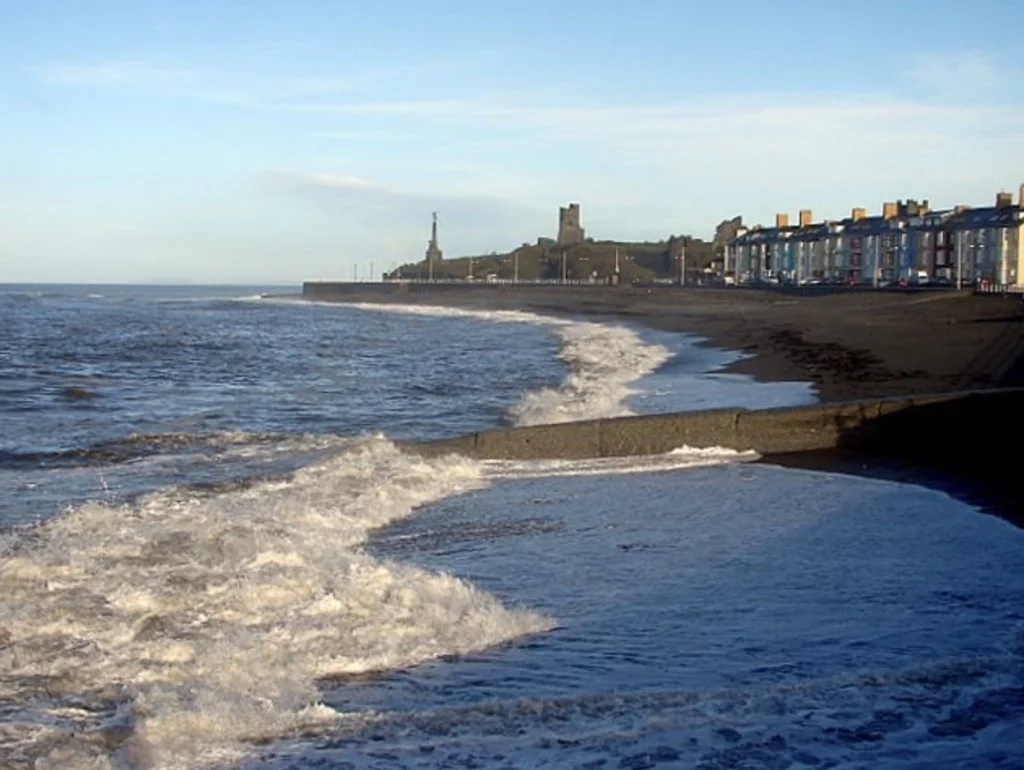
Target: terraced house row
907	242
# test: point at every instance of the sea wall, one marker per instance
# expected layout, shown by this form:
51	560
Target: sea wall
339	291
974	424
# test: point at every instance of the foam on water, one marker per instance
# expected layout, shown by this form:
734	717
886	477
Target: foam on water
948	715
120	470
740	616
603	361
175	632
677	459
162	634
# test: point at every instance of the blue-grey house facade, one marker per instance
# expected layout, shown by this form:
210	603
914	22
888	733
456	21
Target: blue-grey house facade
907	242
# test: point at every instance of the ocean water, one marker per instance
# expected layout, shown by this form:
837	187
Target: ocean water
212	554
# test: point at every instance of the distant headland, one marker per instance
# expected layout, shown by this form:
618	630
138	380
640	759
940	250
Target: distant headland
572	257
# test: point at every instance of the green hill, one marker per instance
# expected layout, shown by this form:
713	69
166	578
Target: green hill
589	261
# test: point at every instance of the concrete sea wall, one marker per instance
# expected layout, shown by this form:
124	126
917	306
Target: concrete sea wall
973	424
340	291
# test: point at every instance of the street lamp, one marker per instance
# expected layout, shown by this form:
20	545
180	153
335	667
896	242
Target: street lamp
959	261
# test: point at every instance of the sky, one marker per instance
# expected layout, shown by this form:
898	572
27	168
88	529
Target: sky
268	142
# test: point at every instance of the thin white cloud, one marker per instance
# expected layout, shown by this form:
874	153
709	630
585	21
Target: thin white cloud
149	80
405	212
763	123
328	180
115	73
959	73
357	188
640	170
687	165
436	108
242	88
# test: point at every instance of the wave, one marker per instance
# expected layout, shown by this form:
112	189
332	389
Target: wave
603	361
266	296
951	713
136	446
178	630
20	297
677	459
174	629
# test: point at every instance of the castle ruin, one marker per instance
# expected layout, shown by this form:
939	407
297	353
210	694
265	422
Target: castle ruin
569	230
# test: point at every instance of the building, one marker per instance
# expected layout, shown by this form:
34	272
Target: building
906	242
569	231
724	233
987	245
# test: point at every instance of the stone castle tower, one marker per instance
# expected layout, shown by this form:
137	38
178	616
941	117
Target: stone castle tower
569	230
434	253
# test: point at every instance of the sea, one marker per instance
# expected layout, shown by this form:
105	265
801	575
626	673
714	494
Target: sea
214	554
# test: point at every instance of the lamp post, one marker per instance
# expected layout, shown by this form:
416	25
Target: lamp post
959	267
515	267
874	261
682	264
959	261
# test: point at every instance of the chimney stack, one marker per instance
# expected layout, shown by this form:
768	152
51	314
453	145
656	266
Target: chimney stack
1004	199
782	220
890	210
805	217
858	214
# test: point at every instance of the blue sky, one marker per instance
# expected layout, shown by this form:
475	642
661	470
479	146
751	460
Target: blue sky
272	142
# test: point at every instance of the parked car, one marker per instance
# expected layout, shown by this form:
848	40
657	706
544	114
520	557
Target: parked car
921	278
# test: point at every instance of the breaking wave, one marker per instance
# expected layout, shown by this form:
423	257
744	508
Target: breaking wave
179	630
136	446
168	633
603	361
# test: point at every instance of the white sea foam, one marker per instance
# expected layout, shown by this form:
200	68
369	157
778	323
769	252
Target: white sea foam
174	632
743	616
603	361
677	459
185	625
770	726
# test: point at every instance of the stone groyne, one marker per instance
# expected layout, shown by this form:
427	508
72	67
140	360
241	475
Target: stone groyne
965	443
947	423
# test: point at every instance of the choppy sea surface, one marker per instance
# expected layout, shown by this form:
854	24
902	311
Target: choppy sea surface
212	554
